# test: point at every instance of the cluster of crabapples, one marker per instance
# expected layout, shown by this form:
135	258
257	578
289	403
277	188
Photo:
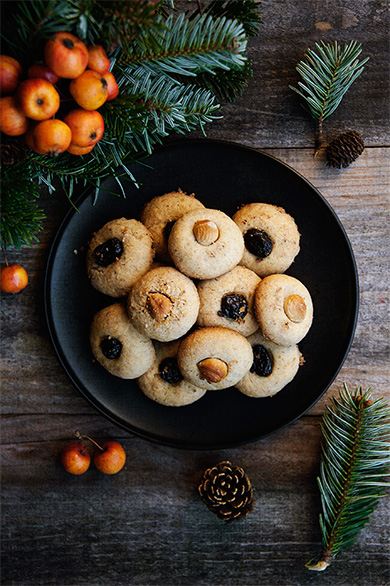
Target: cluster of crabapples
109	458
74	79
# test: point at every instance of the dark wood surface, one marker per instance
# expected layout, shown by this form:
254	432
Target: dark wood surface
147	525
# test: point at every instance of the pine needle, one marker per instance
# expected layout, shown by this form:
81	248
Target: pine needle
355	462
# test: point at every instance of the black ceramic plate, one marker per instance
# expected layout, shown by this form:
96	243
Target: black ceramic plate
223	176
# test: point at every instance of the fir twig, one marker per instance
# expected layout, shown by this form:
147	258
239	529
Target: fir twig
327	75
354	464
21	217
189	46
226	85
246	12
169	68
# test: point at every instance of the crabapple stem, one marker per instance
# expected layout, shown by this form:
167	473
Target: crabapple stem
83	437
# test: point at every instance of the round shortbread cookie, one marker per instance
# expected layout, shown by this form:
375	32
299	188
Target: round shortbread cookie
205	243
271	238
164	383
227	301
273	367
163	304
117	345
283	309
160	213
214	358
118	254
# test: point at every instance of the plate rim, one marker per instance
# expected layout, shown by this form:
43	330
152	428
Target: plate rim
86	394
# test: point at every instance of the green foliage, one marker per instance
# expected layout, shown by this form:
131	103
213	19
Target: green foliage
354	464
246	12
327	75
20	215
170	69
189	46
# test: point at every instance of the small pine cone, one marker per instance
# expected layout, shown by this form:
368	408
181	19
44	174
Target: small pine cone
344	149
227	491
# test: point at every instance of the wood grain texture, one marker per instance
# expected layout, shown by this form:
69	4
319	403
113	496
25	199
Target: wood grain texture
269	114
147	526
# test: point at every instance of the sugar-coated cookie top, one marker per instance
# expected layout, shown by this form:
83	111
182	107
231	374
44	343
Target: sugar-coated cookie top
205	243
118	254
271	238
283	308
160	213
118	345
163	304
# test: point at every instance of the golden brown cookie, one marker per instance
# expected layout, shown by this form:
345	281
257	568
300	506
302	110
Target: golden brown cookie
273	367
164	383
283	309
227	301
118	254
160	213
271	238
117	345
205	243
163	304
214	358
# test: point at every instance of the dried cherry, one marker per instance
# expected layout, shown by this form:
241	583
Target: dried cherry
258	242
169	371
233	306
111	347
108	252
262	361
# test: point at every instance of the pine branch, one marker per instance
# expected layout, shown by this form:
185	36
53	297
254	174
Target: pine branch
168	69
120	22
170	107
327	75
354	464
21	218
189	47
226	85
244	11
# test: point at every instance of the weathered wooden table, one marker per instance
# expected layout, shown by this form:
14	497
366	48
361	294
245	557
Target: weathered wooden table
147	525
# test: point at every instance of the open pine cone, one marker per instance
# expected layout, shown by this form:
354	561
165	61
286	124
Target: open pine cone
227	491
344	149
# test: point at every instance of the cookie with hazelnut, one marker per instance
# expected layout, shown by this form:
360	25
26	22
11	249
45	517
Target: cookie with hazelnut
160	213
117	345
163	304
205	243
283	309
214	358
117	255
164	383
271	238
227	301
273	368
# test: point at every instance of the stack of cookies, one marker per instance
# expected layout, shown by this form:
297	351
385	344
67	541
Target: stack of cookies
201	299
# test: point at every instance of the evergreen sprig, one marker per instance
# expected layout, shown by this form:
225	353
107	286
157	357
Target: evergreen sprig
169	68
20	216
327	75
190	46
355	462
246	12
